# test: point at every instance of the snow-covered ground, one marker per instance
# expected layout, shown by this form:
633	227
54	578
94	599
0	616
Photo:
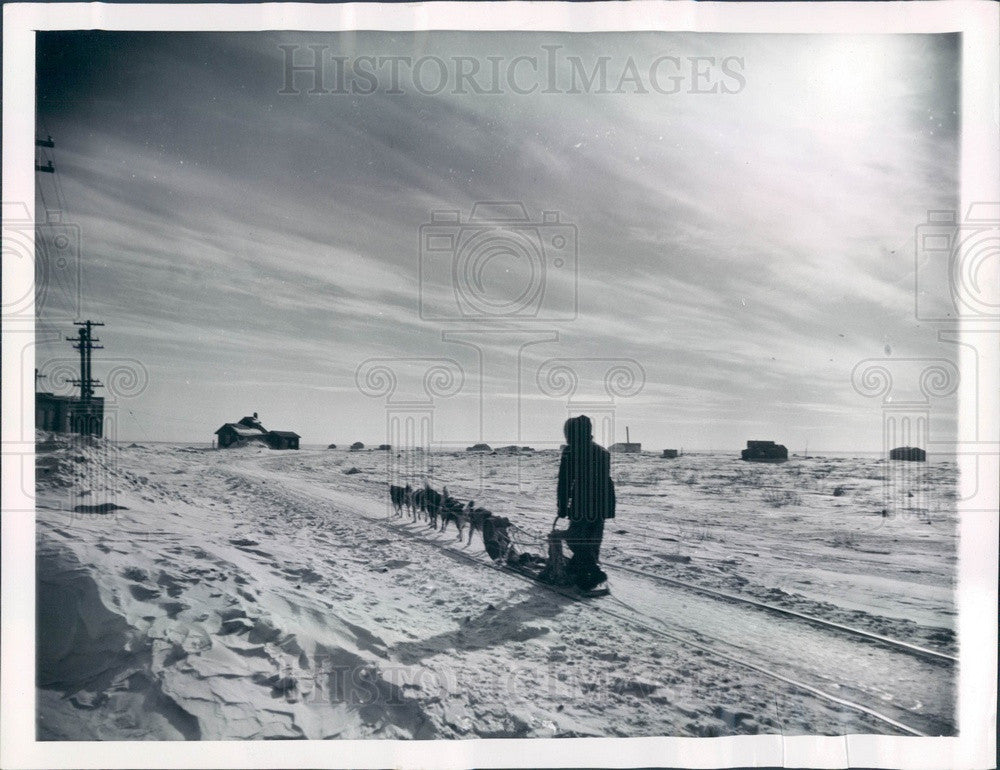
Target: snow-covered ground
248	593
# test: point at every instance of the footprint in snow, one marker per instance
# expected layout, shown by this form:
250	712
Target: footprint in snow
142	593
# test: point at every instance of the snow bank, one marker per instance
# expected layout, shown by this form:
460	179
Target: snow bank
255	594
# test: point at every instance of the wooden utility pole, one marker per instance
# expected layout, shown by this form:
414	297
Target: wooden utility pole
85	344
48	168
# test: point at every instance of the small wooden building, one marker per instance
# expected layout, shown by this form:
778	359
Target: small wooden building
627	446
764	452
68	414
249	430
283	439
669	454
911	453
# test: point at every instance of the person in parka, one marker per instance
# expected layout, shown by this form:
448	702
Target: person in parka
586	495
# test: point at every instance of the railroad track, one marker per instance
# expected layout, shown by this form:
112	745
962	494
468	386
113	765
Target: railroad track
887	641
908	647
643	622
662	633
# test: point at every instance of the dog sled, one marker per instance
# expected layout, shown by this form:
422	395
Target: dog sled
552	571
440	509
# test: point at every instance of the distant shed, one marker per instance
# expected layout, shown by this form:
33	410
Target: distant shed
911	453
283	439
764	452
249	430
628	447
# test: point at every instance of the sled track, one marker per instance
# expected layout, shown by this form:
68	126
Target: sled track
657	630
887	641
660	632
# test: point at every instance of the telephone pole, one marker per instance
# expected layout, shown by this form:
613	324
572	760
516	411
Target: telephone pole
85	344
48	168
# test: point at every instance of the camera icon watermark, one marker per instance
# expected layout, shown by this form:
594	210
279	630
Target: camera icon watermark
498	265
908	389
592	386
957	265
54	246
410	388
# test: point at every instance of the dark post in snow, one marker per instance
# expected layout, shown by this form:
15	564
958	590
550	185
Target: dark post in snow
89	414
85	344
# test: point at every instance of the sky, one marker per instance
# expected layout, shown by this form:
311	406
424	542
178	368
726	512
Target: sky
725	248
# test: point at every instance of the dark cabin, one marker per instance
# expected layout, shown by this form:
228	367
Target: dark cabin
910	453
764	452
283	439
250	430
68	414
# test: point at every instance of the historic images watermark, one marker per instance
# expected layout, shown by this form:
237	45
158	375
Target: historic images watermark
498	263
956	262
43	256
318	69
53	245
500	282
82	471
592	386
908	389
329	681
409	409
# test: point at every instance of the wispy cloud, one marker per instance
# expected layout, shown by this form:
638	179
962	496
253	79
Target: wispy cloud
747	249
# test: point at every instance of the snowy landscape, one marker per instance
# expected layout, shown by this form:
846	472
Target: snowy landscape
731	260
248	594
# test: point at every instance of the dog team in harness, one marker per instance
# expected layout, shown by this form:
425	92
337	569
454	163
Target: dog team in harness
585	496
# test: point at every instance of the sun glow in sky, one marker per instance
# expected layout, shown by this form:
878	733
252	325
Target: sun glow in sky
851	74
745	247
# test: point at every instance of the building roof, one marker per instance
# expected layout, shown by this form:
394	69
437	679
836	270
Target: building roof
243	430
46	396
284	433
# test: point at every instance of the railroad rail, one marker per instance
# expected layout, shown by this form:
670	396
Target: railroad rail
873	637
913	649
660	632
634	618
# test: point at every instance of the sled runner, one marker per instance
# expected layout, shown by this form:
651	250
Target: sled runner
552	571
600	590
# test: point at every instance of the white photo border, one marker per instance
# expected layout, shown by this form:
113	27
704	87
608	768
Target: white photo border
975	745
